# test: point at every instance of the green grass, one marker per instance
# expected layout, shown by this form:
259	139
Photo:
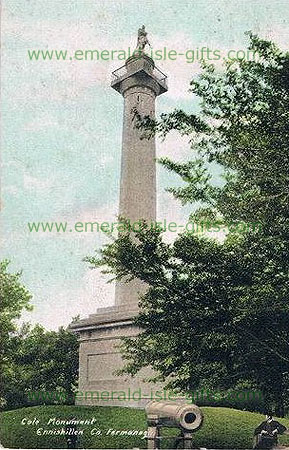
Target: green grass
222	428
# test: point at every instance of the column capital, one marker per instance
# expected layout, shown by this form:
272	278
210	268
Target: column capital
139	70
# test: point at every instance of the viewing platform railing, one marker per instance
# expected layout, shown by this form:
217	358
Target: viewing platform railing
156	72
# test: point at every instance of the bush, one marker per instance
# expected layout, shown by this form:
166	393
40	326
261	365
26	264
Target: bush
222	428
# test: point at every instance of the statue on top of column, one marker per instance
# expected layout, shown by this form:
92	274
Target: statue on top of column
142	39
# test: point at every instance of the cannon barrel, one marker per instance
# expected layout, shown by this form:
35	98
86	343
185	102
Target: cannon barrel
175	414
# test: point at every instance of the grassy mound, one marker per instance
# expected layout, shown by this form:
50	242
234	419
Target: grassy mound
222	428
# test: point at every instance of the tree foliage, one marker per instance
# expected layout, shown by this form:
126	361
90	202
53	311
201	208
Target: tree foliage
217	314
42	361
14	297
32	358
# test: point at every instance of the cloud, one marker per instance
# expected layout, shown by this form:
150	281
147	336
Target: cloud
55	306
174	146
72	76
75	76
179	72
91	220
279	35
34	183
42	122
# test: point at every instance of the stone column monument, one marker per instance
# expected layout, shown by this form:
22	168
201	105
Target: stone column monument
139	82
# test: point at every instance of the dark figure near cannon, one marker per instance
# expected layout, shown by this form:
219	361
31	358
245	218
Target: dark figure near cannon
266	434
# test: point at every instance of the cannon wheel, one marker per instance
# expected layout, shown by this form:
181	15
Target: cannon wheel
180	443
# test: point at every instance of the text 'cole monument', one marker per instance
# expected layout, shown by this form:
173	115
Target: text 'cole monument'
139	82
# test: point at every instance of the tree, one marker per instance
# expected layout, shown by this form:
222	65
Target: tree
14	297
217	314
44	368
32	358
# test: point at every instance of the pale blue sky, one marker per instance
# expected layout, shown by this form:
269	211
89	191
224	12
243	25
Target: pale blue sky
61	127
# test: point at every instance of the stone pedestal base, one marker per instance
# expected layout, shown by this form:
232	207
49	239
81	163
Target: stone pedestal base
99	358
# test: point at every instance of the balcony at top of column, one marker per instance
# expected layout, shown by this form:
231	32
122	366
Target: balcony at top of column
140	67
